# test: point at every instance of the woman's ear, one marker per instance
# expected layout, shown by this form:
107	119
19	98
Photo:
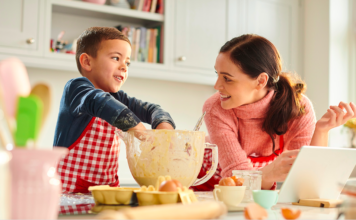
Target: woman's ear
262	80
85	62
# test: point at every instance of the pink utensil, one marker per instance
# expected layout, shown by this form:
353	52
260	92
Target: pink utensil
14	83
35	186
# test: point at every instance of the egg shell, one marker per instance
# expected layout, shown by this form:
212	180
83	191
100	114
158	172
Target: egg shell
227	181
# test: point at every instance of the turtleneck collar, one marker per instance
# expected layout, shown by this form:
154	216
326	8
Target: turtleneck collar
255	110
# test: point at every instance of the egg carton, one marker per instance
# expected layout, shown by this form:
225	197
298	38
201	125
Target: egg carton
151	196
107	195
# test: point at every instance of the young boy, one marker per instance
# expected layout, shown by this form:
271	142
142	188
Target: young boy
92	109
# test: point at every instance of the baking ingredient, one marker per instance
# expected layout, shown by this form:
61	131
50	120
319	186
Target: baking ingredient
290	213
255	211
238	181
227	181
170	186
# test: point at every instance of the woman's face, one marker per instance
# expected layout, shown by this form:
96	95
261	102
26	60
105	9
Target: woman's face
235	87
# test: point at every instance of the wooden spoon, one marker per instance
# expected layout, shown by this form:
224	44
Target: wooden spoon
43	92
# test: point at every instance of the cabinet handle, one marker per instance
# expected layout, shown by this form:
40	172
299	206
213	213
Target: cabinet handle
182	58
30	41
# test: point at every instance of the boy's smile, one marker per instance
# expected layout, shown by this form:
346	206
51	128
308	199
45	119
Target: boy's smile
109	69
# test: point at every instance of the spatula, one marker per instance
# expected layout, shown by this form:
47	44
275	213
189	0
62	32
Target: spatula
14	82
199	123
43	92
28	119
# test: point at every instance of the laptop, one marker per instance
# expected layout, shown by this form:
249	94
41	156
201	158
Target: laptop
318	173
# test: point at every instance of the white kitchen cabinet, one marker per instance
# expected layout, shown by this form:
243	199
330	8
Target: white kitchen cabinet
276	20
199	32
20	25
194	31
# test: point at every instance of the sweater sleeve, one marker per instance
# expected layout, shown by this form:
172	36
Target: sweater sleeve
301	129
223	131
147	112
83	98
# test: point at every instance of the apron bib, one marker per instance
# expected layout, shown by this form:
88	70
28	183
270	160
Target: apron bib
92	160
257	163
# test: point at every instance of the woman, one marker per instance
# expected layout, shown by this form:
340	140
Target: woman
259	118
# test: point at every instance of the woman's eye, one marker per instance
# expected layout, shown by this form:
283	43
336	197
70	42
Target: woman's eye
227	79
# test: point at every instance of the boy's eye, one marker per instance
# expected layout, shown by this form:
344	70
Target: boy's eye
116	58
128	64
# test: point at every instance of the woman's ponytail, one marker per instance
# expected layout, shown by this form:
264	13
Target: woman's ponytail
285	105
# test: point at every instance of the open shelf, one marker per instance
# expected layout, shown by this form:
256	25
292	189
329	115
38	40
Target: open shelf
105	12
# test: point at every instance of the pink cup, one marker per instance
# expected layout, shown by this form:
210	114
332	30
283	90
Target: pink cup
35	185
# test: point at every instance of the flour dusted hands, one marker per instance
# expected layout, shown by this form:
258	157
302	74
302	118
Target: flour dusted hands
165	125
278	169
334	117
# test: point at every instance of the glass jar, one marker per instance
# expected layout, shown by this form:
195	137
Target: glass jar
252	181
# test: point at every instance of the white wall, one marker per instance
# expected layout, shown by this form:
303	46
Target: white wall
182	100
326	58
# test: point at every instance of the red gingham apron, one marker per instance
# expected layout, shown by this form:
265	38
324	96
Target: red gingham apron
257	162
92	160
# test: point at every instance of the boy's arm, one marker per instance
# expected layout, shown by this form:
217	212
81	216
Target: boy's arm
147	112
82	98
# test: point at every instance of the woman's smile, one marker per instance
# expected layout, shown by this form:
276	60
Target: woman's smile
224	97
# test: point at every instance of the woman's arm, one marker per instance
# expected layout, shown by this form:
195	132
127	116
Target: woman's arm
334	117
300	132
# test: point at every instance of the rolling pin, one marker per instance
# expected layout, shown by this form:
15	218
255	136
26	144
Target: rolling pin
196	210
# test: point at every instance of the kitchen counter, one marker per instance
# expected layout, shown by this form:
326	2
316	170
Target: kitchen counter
84	209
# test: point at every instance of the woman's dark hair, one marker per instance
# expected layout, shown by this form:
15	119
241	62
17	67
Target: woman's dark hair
255	55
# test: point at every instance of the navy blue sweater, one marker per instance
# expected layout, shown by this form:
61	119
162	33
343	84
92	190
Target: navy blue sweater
81	102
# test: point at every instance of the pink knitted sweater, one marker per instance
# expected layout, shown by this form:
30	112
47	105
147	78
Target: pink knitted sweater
238	132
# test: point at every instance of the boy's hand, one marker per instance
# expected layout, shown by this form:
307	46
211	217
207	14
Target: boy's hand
165	125
139	126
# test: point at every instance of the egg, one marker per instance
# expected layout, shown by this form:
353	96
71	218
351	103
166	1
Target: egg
227	181
238	181
290	214
170	186
255	211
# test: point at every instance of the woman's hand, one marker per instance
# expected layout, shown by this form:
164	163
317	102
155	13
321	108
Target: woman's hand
334	117
278	170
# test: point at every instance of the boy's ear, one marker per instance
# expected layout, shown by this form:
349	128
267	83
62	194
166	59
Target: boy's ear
262	80
85	62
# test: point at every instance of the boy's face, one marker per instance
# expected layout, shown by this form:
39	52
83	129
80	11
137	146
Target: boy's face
110	67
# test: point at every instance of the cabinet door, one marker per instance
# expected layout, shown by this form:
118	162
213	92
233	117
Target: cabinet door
200	31
276	20
19	23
